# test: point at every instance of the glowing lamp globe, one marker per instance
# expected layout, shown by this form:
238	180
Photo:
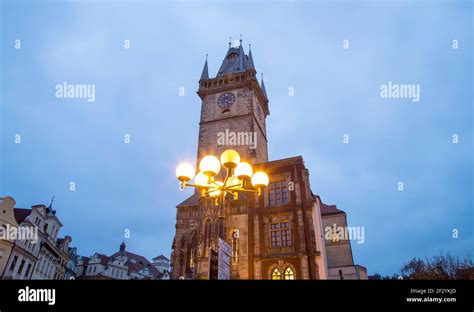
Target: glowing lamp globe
233	182
185	172
243	171
230	158
201	179
260	179
210	165
215	192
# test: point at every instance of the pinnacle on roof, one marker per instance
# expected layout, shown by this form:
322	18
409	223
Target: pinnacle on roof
205	71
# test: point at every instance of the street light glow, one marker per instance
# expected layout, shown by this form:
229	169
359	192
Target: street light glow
238	174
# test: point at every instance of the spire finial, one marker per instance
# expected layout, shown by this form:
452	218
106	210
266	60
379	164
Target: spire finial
230	41
206	56
51	204
240	39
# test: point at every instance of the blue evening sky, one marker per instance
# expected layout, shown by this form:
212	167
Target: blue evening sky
295	44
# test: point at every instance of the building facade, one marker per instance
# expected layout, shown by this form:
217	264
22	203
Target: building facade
7	219
122	265
70	270
279	235
42	256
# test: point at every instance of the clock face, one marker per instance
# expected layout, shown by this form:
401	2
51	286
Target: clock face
226	100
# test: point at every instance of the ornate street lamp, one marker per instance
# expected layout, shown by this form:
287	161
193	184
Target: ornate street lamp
239	178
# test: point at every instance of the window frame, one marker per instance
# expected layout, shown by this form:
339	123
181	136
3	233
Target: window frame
291	275
276	273
278	193
280	234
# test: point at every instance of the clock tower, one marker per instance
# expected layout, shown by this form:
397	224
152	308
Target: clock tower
277	235
234	109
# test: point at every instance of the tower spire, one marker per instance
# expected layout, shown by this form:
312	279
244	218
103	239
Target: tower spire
242	65
51	203
205	71
250	58
49	209
262	85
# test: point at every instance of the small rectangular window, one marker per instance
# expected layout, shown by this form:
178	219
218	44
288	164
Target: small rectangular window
22	264
277	193
12	266
28	268
280	235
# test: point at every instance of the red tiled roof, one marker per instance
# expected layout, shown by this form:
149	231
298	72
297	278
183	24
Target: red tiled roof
99	276
140	263
21	214
103	258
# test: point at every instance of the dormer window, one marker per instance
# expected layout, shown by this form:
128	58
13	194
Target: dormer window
232	56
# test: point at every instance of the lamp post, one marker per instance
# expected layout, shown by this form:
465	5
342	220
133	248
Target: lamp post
239	176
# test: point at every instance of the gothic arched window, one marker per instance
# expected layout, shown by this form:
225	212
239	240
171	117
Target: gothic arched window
207	234
276	274
289	274
193	251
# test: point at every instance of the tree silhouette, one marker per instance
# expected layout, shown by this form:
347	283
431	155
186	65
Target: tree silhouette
439	267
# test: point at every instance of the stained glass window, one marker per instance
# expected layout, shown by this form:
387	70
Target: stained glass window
289	274
276	274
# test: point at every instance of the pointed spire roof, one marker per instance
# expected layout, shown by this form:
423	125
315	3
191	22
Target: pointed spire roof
242	57
205	71
250	59
49	209
262	85
51	203
235	61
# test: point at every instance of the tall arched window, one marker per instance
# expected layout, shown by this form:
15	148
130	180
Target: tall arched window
289	274
207	234
182	254
276	274
193	251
